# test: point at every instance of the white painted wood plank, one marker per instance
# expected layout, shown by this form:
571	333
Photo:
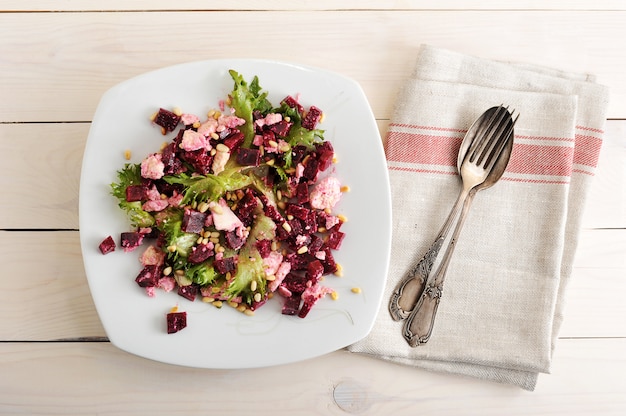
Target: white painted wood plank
141	5
56	66
96	378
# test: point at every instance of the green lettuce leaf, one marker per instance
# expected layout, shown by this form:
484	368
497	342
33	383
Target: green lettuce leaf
131	175
210	187
246	99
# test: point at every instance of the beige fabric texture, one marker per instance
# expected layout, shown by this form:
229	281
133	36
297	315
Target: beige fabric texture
503	298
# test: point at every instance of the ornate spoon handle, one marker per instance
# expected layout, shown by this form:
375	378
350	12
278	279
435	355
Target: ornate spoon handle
410	288
419	325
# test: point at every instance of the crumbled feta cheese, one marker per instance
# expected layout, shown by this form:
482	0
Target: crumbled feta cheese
152	167
192	140
326	193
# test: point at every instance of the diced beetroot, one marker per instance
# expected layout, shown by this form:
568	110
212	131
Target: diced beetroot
173	164
291	305
167	119
176	321
282	128
264	247
316	244
188	292
300	261
334	239
270	210
200	253
200	159
234	240
234	140
302	193
149	276
131	240
295	282
248	157
325	155
330	266
310	298
225	265
293	103
297	154
314	270
311	169
107	245
312	118
193	221
246	207
297	211
135	193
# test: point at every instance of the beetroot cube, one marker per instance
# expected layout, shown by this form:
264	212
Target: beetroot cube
149	276
225	265
200	253
248	157
302	193
334	239
188	292
264	247
131	240
107	245
293	103
200	159
295	282
173	164
246	207
135	193
311	169
193	221
297	211
176	321
325	155
291	305
234	140
282	128
312	118
167	120
316	244
330	266
315	270
234	240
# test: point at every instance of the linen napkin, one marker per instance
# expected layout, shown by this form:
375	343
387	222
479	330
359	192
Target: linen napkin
503	298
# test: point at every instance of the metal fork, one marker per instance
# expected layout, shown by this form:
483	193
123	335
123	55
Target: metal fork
483	165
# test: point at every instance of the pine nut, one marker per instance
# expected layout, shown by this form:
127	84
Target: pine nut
356	290
303	250
287	227
257	297
253	285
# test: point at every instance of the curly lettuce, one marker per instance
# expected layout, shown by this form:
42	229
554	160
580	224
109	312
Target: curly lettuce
130	175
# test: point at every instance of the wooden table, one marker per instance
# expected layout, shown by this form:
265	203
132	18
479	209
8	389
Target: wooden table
58	58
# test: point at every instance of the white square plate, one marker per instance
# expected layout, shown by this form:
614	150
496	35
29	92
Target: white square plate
225	338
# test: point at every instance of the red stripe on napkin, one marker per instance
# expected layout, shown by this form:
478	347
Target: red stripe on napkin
587	150
541	160
424	149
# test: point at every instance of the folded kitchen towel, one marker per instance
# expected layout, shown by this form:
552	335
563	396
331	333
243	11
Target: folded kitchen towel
503	298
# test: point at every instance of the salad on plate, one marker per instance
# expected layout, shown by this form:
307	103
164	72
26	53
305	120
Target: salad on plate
238	207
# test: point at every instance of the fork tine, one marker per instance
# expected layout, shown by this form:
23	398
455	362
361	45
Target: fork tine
478	147
504	136
492	139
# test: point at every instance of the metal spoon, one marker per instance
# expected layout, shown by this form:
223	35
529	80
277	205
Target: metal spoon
410	288
483	165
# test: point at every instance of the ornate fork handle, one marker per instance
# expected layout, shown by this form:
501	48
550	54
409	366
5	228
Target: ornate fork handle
419	325
408	291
